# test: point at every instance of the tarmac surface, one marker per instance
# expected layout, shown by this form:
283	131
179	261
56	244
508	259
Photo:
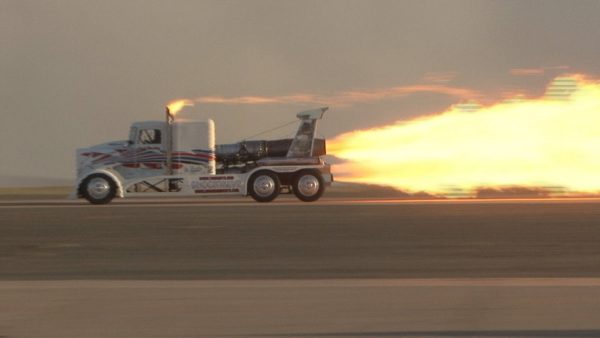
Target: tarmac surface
301	308
335	268
241	239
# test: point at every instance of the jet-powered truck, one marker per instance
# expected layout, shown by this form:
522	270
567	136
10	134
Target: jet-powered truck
178	157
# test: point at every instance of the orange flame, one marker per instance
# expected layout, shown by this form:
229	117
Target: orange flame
551	141
176	105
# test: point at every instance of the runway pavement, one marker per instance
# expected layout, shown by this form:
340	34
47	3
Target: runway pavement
241	239
335	268
301	308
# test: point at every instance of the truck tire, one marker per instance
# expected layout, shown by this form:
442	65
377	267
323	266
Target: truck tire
308	185
264	186
98	189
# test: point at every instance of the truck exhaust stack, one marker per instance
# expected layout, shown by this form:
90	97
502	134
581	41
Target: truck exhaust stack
169	118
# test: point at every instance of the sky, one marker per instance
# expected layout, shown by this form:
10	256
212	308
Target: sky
78	73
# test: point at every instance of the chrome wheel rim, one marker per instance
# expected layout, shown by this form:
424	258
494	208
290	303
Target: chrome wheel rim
308	185
98	188
264	186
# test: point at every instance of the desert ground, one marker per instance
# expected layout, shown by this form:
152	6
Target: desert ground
346	266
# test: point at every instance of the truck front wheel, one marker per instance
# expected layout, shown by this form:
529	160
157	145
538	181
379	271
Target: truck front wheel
264	186
98	189
308	186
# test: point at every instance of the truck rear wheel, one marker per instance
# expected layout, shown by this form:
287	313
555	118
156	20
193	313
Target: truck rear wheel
308	186
98	189
264	186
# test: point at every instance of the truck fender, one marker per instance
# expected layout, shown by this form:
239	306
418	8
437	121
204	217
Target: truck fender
108	173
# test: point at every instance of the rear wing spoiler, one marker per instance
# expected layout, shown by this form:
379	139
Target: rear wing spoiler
304	142
314	114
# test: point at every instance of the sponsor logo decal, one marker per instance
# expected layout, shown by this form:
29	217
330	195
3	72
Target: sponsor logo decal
216	184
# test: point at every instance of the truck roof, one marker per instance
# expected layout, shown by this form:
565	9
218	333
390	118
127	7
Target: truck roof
148	124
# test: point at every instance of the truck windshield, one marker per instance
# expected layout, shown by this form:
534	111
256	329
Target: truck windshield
149	136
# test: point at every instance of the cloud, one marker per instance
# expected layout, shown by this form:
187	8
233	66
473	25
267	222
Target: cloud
527	71
301	98
538	71
439	77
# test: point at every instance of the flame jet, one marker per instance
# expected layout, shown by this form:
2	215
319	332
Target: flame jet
176	105
550	141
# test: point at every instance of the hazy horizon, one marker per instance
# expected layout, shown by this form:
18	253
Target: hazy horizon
75	74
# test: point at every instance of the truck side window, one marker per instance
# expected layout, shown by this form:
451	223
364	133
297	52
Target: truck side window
149	136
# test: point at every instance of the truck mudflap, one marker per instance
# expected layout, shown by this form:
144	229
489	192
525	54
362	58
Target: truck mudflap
326	174
327	178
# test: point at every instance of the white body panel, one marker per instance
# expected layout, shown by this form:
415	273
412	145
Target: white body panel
192	140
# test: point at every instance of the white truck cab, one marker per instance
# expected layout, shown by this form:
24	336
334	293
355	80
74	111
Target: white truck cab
178	157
